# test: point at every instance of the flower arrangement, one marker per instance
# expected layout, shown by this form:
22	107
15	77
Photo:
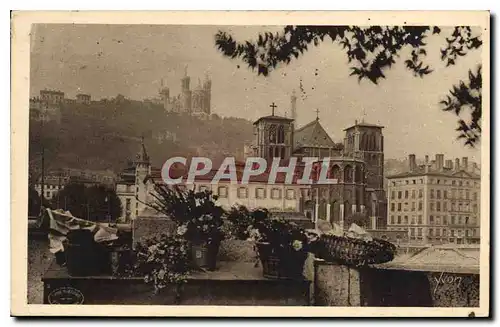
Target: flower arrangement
281	245
196	215
161	261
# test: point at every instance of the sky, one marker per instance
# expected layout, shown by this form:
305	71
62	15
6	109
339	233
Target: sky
106	60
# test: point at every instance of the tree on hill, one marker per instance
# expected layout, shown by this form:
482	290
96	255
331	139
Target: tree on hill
95	203
371	51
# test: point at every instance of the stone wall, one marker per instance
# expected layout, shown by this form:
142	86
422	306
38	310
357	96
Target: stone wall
338	285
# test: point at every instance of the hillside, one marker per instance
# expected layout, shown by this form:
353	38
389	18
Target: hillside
106	135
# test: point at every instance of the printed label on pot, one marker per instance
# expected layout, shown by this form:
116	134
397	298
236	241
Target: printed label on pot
65	295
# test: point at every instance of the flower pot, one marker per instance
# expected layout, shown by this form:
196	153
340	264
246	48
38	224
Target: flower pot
204	255
281	263
84	257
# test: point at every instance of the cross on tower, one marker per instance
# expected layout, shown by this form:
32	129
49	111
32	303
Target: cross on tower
273	106
317	114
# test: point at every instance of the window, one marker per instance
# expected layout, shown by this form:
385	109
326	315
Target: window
399	206
438	206
406	182
400	194
392	220
405	221
452	232
48	194
467	194
474	208
222	191
438	232
414	181
203	188
275	193
290	194
412	231
445	232
413	206
431	232
431	220
420	219
260	193
460	183
399	220
453	220
445	220
445	206
242	192
419	231
420	205
459	220
406	194
413	220
393	194
438	194
432	206
432	194
445	194
452	182
438	220
421	181
393	206
127	204
474	196
420	194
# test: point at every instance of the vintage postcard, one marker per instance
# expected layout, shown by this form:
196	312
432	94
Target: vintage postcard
279	163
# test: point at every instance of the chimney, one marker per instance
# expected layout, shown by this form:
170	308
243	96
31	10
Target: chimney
449	164
439	161
426	159
465	163
457	164
412	162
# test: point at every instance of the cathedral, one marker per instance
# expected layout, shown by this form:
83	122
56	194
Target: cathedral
356	165
195	102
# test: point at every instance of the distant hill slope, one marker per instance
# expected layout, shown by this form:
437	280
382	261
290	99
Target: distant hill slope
106	135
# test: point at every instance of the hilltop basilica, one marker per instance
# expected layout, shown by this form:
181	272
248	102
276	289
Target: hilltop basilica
195	102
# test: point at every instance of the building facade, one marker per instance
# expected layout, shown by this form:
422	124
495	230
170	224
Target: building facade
436	202
195	102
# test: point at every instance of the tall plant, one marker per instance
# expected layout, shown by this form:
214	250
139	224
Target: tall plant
197	216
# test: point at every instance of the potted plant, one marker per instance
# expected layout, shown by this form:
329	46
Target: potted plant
281	245
198	219
162	261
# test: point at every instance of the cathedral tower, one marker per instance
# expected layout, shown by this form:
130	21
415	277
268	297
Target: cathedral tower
273	137
185	92
207	88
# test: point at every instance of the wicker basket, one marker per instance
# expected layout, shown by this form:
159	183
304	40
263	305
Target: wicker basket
351	251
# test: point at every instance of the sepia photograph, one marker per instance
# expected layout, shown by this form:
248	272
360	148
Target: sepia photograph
285	162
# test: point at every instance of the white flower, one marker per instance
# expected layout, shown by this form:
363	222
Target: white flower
254	234
297	245
181	230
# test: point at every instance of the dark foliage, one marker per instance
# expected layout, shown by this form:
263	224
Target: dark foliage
370	50
467	96
95	203
197	216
